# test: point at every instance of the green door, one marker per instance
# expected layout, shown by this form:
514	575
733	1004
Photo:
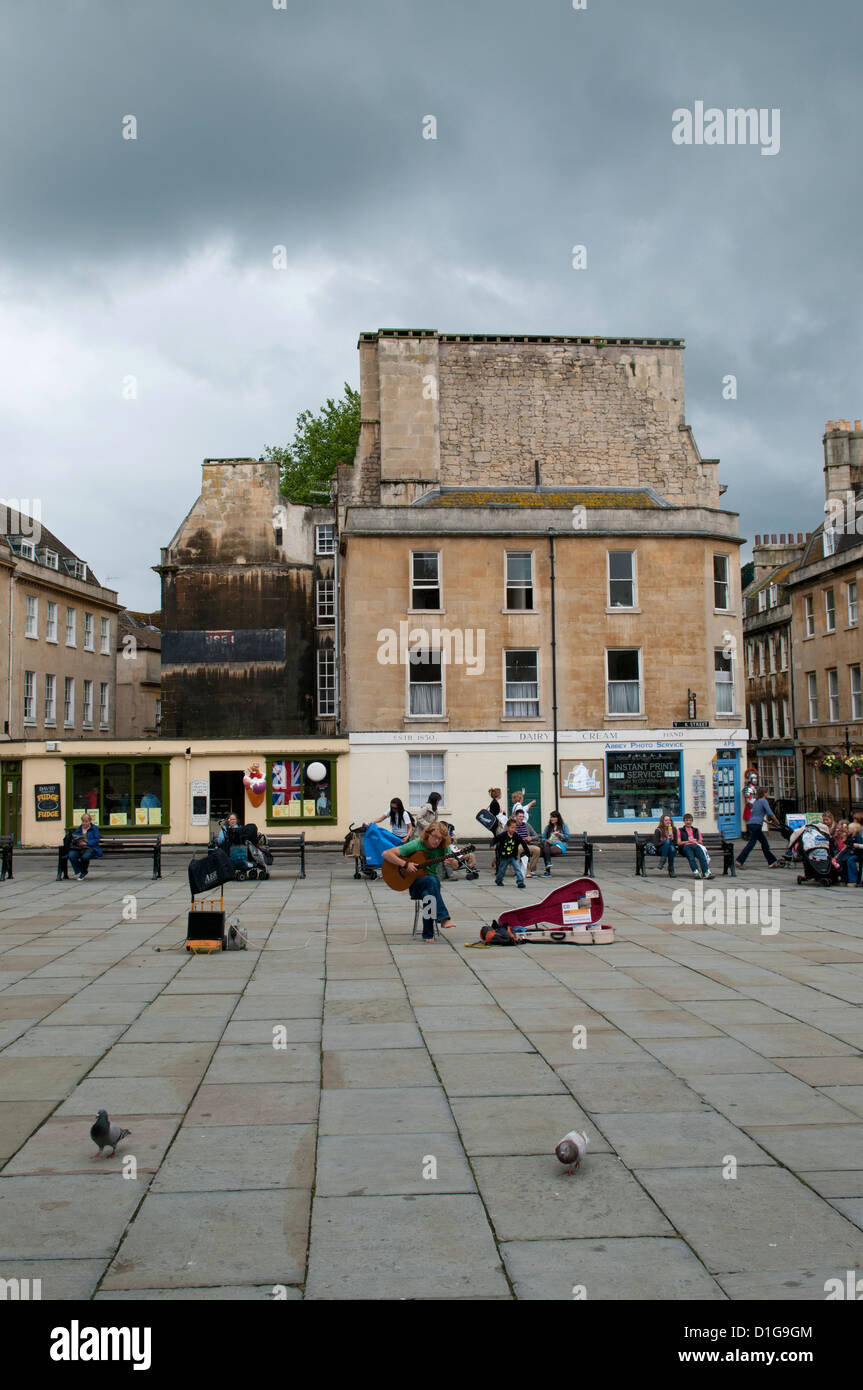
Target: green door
10	801
527	778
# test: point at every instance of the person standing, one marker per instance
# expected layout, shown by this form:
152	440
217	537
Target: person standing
510	846
400	820
761	811
434	842
428	813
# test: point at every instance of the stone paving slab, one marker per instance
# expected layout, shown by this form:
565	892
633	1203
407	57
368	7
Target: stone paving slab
763	1219
249	1293
223	1158
753	1099
388	1066
377	1165
214	1238
64	1146
403	1248
606	1089
46	1041
520	1124
40	1078
644	1269
522	1074
688	1140
154	1059
802	1147
255	1103
65	1217
530	1198
247	1062
391	1110
130	1095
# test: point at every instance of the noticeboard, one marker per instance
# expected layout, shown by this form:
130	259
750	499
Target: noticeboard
47	796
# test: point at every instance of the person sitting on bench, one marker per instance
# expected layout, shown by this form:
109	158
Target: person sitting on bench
84	844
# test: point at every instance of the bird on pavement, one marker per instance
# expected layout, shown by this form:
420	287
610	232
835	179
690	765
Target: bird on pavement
572	1148
106	1135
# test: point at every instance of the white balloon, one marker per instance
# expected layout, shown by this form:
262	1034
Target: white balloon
316	772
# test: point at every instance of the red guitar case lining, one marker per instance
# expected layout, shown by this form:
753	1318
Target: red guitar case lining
551	919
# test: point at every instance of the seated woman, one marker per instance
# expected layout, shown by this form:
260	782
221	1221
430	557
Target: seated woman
848	835
554	839
428	813
434	841
84	846
400	822
691	843
665	838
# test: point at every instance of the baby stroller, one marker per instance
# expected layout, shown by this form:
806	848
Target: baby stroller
248	853
354	847
815	852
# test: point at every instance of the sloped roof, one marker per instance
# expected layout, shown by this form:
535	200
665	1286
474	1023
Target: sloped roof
19	524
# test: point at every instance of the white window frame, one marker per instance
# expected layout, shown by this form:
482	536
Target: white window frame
50	700
764	725
809	615
771	656
50	559
772	595
726	606
425	584
325	602
72	627
751	713
521	700
812	695
325	538
750	660
783	651
762	658
774	710
104	704
632	580
105	636
833	695
852	603
325	682
29	697
762	600
723	684
31	615
786	718
829	610
50	621
829	545
441	685
856	688
630	714
89	633
87	705
69	702
517	586
423	779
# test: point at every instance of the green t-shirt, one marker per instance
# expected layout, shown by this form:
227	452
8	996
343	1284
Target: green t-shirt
412	846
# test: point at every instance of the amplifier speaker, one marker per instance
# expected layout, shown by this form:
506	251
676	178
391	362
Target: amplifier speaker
206	926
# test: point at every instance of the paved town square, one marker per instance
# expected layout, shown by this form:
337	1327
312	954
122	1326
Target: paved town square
344	1112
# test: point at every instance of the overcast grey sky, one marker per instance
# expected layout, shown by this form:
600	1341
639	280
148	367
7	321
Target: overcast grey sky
303	126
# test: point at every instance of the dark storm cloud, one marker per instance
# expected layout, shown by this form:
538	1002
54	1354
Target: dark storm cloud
259	127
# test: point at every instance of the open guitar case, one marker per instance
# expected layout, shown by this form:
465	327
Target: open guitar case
569	915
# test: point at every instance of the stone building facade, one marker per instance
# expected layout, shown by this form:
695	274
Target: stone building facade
247	612
531	518
139	675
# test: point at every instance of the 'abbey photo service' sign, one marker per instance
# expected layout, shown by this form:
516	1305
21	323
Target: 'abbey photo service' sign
47	801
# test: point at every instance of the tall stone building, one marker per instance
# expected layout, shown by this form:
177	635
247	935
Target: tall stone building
540	583
248	605
768	649
824	591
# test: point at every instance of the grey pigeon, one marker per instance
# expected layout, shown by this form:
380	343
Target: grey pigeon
106	1135
572	1148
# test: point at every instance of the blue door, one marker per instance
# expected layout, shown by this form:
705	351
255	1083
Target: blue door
726	792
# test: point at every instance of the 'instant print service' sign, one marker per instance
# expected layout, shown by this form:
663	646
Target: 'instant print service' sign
48	801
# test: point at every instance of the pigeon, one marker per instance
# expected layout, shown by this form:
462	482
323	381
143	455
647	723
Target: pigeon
106	1135
572	1148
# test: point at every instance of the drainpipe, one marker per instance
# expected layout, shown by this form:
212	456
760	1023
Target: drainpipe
553	665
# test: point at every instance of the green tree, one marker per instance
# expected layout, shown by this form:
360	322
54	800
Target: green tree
321	443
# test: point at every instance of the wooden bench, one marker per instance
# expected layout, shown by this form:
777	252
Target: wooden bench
7	846
115	845
714	842
289	844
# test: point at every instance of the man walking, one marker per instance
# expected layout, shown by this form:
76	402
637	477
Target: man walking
761	811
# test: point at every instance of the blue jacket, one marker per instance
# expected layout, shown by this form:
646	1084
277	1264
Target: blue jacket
92	836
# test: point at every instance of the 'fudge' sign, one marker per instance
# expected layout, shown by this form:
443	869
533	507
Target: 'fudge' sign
48	801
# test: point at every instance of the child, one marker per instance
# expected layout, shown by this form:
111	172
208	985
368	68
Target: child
509	847
498	935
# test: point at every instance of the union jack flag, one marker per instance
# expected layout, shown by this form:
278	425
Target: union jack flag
288	782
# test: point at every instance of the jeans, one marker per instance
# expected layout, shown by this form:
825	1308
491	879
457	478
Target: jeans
697	856
757	837
80	860
847	861
666	851
502	867
428	884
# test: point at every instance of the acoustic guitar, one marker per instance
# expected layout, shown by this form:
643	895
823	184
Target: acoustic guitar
397	877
